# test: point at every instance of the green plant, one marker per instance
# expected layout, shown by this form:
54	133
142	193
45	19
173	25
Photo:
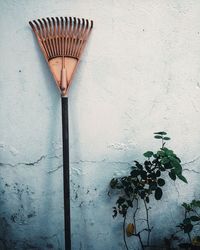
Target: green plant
143	183
190	222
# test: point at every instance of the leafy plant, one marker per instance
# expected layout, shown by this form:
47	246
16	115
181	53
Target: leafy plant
191	220
143	183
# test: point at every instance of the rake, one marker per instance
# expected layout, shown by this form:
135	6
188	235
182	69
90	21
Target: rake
62	41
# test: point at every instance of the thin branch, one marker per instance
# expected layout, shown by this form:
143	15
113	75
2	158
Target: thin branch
124	232
140	241
134	215
148	226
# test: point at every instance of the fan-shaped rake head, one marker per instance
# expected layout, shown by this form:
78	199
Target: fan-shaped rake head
62	40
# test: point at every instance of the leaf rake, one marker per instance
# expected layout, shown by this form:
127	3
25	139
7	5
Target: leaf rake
62	41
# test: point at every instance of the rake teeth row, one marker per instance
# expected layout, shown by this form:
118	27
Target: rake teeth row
62	36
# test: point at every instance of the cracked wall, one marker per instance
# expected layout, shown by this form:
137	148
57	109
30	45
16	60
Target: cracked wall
139	74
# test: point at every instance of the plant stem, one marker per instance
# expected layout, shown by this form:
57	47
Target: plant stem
134	215
148	226
124	232
189	238
186	212
140	241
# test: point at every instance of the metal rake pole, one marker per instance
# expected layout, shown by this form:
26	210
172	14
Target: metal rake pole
66	172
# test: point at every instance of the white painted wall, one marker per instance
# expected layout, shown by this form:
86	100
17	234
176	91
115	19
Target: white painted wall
140	73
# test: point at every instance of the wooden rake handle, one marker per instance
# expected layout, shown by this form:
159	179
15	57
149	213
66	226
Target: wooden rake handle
66	173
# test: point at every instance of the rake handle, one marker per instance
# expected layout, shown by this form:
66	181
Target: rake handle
66	173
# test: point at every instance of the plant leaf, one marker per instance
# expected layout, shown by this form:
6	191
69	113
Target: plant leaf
134	173
161	182
148	154
195	218
187	221
113	183
166	138
188	228
160	133
158	193
181	177
158	173
143	174
172	175
158	137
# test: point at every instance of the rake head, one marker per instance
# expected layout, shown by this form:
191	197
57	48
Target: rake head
62	41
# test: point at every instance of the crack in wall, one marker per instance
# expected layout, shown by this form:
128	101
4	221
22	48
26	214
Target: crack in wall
191	170
31	163
54	170
192	161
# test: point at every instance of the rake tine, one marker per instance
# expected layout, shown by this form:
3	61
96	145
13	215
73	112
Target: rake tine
67	19
79	37
58	34
51	34
37	35
45	37
87	32
62	36
41	38
70	34
66	36
76	37
73	35
54	34
48	36
33	28
81	40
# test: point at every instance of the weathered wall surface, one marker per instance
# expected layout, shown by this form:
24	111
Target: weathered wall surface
140	73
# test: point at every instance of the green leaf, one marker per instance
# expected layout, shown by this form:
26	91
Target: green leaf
187	221
177	167
161	182
172	175
160	133
161	153
166	138
148	154
195	218
165	160
195	203
130	203
168	165
186	206
152	176
188	228
134	173
142	194
143	174
181	177
158	137
120	200
153	186
113	183
138	165
158	173
158	193
114	212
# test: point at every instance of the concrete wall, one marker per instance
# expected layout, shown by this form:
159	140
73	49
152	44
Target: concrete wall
140	73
